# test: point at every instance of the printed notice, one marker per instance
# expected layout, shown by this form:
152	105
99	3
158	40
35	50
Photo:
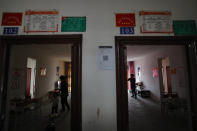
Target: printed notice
155	22
41	21
105	58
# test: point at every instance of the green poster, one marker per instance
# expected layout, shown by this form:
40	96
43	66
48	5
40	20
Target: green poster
73	24
184	27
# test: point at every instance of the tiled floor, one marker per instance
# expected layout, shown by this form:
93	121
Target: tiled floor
38	119
145	115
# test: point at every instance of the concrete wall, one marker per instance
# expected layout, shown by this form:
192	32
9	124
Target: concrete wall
99	86
176	60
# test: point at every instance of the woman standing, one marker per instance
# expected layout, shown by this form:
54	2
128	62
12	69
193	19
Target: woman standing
64	92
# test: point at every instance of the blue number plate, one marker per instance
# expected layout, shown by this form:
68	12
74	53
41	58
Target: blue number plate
126	30
10	30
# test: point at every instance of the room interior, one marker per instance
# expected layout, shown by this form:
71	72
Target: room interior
33	75
149	63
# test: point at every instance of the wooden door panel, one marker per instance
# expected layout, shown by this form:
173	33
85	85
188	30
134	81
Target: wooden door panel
76	119
122	95
192	61
4	51
168	73
28	82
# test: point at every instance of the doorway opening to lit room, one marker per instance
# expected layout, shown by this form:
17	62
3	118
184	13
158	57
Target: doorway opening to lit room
156	83
42	84
31	77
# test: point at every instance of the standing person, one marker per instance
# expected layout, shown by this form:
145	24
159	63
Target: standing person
64	92
133	86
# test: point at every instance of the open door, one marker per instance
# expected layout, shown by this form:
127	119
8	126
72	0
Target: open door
27	94
168	74
192	61
121	90
76	40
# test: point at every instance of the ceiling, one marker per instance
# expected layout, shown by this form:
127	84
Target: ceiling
60	51
136	52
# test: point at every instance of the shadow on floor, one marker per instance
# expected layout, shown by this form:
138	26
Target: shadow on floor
39	118
145	115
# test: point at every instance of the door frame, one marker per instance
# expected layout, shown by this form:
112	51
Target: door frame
75	40
121	89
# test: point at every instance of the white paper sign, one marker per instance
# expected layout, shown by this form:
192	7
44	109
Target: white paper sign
105	58
41	21
155	22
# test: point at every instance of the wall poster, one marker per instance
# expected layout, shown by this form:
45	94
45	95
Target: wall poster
155	72
17	78
73	24
184	27
125	19
155	22
12	19
105	58
41	21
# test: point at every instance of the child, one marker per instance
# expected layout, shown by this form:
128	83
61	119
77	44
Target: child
54	102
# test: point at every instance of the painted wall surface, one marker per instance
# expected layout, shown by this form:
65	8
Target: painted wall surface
61	68
176	60
99	86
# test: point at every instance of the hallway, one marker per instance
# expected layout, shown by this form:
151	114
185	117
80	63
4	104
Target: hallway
145	115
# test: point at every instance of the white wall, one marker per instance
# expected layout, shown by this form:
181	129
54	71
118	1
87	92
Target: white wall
98	86
176	60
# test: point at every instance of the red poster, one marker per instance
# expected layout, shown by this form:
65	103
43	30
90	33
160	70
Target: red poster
155	72
125	19
12	19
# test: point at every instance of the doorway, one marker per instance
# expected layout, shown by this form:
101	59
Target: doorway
76	43
121	69
31	77
165	76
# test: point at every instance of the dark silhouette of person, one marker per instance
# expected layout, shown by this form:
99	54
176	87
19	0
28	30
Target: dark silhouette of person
133	85
64	92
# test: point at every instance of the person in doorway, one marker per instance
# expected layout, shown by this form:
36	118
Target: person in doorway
133	85
64	92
